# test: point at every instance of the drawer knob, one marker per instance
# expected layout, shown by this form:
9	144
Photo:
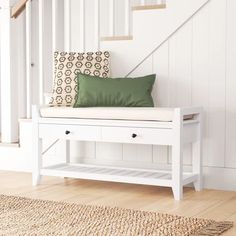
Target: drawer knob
67	132
134	135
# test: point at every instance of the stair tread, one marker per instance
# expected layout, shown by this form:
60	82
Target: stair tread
114	38
9	145
16	144
149	7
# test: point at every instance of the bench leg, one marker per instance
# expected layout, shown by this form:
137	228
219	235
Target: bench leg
37	161
197	164
67	151
177	172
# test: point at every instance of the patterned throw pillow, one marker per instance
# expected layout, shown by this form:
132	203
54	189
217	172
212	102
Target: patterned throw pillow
68	65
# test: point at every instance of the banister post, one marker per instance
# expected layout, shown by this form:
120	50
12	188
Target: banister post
9	107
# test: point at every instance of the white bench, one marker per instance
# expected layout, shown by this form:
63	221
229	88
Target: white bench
156	126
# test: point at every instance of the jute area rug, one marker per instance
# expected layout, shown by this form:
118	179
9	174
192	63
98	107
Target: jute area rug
23	216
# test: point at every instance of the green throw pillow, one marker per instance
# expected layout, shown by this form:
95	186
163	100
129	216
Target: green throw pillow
94	91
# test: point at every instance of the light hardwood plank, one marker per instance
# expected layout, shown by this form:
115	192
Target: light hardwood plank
211	204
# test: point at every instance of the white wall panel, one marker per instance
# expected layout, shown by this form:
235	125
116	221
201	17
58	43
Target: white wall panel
180	73
161	93
109	152
200	71
216	113
81	151
137	153
230	160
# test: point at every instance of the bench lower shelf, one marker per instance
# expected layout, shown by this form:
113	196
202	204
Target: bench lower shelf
115	174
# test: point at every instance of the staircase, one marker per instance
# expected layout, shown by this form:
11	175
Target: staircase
131	30
152	26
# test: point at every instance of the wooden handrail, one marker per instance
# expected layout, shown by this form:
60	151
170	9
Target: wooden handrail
18	8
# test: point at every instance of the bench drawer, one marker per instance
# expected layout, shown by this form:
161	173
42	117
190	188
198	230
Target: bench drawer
73	132
137	135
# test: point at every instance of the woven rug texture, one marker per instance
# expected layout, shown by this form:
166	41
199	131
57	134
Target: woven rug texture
24	216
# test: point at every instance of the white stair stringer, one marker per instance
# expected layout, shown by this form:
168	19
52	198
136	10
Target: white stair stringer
150	29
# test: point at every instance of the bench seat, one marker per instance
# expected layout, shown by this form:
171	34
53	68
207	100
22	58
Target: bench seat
111	113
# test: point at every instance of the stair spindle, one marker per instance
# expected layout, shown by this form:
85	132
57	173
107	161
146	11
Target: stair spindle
67	25
112	17
82	25
127	17
28	59
97	24
41	50
54	32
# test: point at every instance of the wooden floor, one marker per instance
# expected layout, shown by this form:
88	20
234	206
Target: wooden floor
218	205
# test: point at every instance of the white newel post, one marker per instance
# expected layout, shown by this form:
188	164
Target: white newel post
9	108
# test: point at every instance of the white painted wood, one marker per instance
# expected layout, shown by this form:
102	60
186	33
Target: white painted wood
55	10
129	150
200	72
83	151
28	59
160	154
191	134
41	50
201	85
20	68
142	2
173	16
180	67
161	93
54	24
177	157
67	25
197	158
67	151
137	153
109	174
111	18
110	123
108	151
113	133
180	74
137	135
127	17
37	148
9	128
97	24
216	112
73	25
67	131
230	160
105	173
82	25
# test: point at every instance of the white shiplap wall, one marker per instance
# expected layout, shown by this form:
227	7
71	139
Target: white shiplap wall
195	67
